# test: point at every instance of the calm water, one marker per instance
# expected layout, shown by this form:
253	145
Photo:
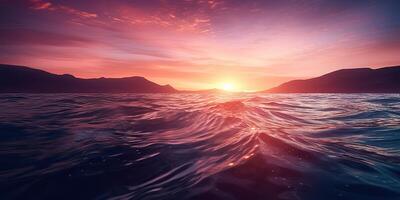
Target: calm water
187	146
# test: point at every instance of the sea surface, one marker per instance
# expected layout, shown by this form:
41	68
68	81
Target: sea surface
200	146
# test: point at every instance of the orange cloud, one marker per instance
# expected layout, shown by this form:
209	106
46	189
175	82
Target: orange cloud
43	5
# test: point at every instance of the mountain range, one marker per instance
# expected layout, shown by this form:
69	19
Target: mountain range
20	79
358	80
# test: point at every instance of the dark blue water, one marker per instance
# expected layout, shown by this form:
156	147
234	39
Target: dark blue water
187	146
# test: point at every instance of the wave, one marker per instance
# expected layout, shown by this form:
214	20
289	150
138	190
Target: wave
191	146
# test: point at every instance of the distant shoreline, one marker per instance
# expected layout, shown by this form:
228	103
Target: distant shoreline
21	79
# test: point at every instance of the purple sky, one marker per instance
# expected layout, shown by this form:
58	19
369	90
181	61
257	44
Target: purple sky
199	44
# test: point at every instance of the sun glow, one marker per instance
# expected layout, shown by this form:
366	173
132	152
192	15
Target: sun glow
228	86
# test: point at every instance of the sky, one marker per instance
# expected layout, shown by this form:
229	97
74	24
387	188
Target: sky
200	44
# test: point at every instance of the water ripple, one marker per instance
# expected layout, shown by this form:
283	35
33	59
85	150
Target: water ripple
199	146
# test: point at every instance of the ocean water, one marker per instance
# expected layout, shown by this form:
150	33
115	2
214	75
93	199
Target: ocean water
200	146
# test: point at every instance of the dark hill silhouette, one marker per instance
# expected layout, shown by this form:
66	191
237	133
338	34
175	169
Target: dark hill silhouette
21	79
359	80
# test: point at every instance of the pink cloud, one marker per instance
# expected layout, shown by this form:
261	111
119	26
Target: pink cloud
43	5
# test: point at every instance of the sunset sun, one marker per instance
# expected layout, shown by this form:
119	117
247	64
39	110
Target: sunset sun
228	86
